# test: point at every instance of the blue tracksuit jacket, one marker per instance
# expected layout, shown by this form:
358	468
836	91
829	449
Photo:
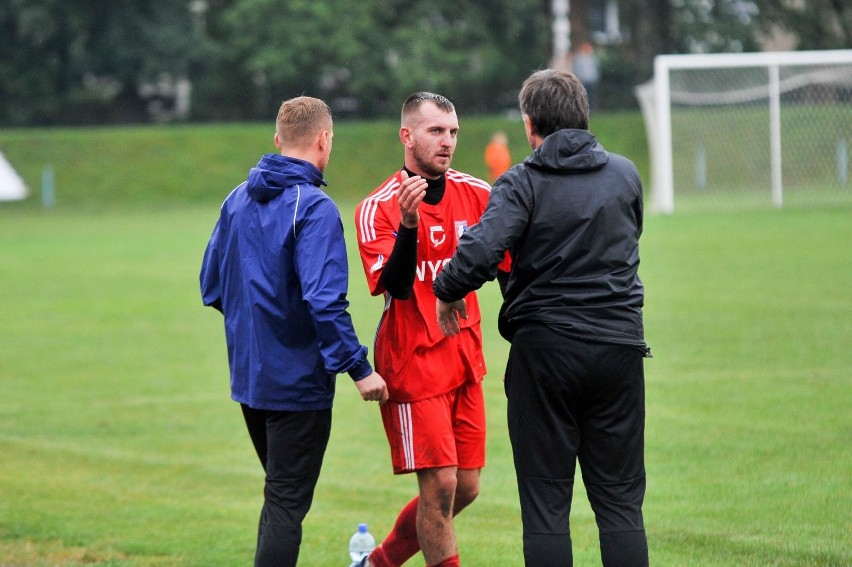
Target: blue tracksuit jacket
276	267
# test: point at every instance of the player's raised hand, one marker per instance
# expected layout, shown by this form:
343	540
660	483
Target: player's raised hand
411	193
448	316
373	388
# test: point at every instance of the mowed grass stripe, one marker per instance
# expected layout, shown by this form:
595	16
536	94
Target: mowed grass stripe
118	435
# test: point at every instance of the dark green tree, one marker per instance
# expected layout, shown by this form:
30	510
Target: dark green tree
816	24
364	57
88	61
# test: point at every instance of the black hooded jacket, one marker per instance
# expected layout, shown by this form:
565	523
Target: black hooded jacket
571	217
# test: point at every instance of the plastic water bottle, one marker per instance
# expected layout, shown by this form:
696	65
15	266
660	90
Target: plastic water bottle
361	544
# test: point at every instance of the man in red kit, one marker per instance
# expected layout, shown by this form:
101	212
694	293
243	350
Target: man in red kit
407	230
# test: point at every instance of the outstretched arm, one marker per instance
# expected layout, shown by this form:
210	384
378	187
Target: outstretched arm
448	316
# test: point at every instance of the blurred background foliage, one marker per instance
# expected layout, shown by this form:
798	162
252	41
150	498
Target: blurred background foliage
154	61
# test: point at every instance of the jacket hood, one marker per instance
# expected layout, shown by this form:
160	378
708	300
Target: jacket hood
274	173
569	150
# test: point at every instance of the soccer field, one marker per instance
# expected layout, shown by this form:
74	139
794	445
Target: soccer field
119	444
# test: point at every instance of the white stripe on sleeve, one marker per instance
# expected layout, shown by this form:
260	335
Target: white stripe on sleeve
367	219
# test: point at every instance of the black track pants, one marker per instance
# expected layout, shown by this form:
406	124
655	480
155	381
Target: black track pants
571	401
291	446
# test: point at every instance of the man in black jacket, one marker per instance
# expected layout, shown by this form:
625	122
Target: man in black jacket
571	216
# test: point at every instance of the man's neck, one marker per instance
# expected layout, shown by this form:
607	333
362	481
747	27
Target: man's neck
434	187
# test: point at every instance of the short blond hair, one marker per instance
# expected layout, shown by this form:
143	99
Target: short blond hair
300	119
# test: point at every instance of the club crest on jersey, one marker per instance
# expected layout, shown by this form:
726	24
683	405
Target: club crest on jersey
437	235
461	226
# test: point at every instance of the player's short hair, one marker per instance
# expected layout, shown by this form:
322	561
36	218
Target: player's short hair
554	100
415	100
300	119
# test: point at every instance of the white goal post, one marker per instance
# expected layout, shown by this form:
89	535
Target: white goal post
736	126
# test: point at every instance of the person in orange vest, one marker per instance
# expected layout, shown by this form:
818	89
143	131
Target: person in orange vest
497	156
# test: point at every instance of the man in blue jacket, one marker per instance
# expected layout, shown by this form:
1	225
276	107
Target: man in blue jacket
276	268
571	217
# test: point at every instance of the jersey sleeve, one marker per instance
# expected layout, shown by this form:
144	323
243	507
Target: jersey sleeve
377	219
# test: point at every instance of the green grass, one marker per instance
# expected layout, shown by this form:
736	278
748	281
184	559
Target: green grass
119	445
147	166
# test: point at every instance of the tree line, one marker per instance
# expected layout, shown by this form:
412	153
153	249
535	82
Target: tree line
135	61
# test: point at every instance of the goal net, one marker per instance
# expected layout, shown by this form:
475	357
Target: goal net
749	129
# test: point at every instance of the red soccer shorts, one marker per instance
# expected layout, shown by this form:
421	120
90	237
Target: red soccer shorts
444	431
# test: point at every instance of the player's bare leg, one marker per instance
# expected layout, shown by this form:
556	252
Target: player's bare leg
435	514
402	543
467	488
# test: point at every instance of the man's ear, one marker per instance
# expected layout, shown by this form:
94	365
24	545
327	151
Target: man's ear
277	141
323	140
532	137
405	135
528	127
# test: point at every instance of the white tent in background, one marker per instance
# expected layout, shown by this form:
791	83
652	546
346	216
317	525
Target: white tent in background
12	187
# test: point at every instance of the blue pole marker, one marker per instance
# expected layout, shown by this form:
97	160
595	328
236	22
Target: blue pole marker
48	198
842	162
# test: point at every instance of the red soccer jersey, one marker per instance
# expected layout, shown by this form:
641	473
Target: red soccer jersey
411	354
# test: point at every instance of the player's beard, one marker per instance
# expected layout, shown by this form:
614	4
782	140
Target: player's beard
426	164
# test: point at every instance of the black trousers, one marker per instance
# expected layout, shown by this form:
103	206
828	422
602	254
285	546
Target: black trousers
571	401
291	447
